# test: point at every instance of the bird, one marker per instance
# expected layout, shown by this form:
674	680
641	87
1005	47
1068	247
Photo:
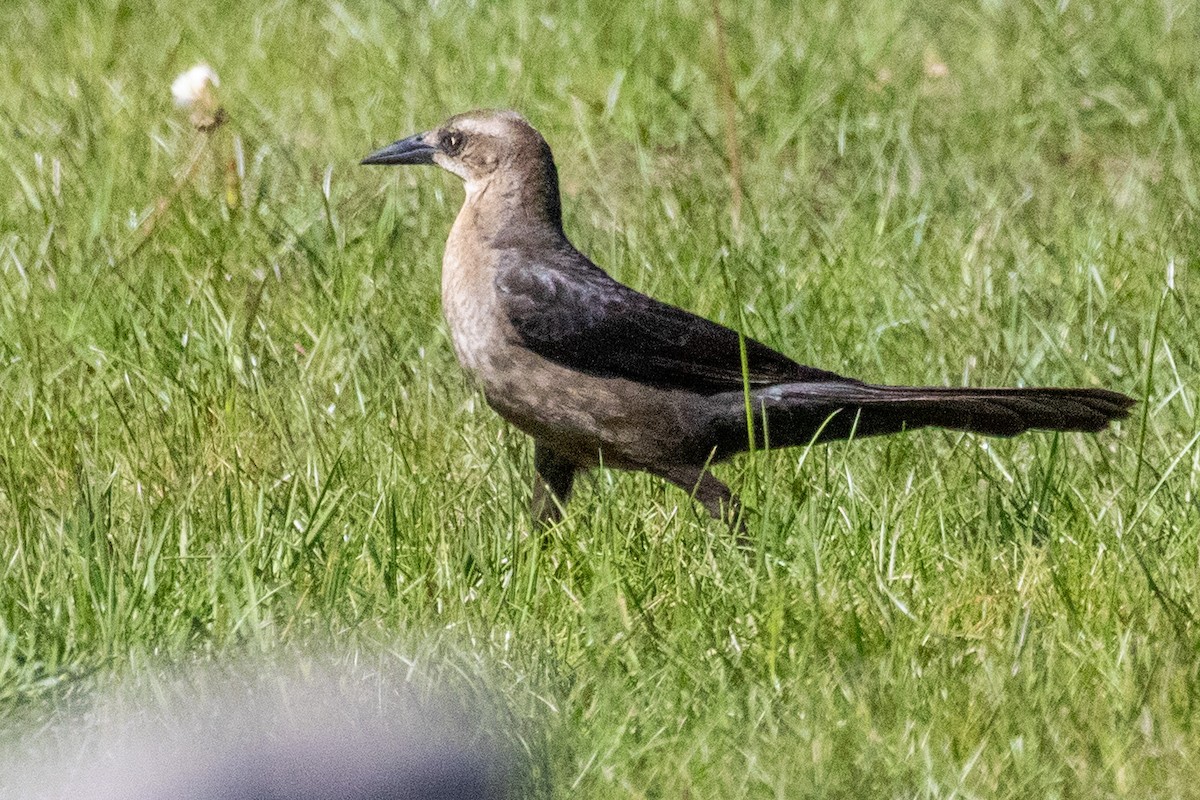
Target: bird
600	374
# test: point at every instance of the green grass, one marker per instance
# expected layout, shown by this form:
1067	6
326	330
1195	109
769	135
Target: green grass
242	431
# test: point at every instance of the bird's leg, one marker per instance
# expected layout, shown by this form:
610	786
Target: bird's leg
714	495
552	480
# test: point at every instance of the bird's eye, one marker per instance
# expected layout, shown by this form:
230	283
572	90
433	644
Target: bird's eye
452	143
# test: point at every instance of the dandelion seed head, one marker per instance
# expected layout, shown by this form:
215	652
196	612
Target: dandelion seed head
190	87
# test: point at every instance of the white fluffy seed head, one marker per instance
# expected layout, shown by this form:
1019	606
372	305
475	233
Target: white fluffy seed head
192	86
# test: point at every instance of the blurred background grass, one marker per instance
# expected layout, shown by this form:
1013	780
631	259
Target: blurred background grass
233	427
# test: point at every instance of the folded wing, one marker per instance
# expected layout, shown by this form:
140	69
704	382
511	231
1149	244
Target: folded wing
571	312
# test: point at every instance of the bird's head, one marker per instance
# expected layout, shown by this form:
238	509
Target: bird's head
482	146
473	145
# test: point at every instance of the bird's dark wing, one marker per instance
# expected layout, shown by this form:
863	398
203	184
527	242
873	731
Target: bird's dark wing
570	311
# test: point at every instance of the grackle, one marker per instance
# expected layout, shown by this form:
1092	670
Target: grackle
598	373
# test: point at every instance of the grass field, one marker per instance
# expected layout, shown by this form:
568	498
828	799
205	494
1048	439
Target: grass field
232	426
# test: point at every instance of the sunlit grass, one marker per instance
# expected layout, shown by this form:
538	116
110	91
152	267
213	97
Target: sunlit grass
241	429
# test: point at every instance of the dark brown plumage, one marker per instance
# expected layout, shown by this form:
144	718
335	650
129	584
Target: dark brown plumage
599	373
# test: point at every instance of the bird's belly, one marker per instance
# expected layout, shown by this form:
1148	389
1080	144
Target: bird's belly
591	420
588	419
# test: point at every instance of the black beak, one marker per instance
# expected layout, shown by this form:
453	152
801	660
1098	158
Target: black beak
412	150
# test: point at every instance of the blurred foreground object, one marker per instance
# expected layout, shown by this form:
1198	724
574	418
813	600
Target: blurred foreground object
250	736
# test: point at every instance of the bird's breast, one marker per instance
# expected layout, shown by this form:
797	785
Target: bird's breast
472	312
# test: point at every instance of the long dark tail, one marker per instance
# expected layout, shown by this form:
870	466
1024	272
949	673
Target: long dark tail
798	413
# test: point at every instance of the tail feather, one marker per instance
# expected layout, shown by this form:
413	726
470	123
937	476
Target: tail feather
798	413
